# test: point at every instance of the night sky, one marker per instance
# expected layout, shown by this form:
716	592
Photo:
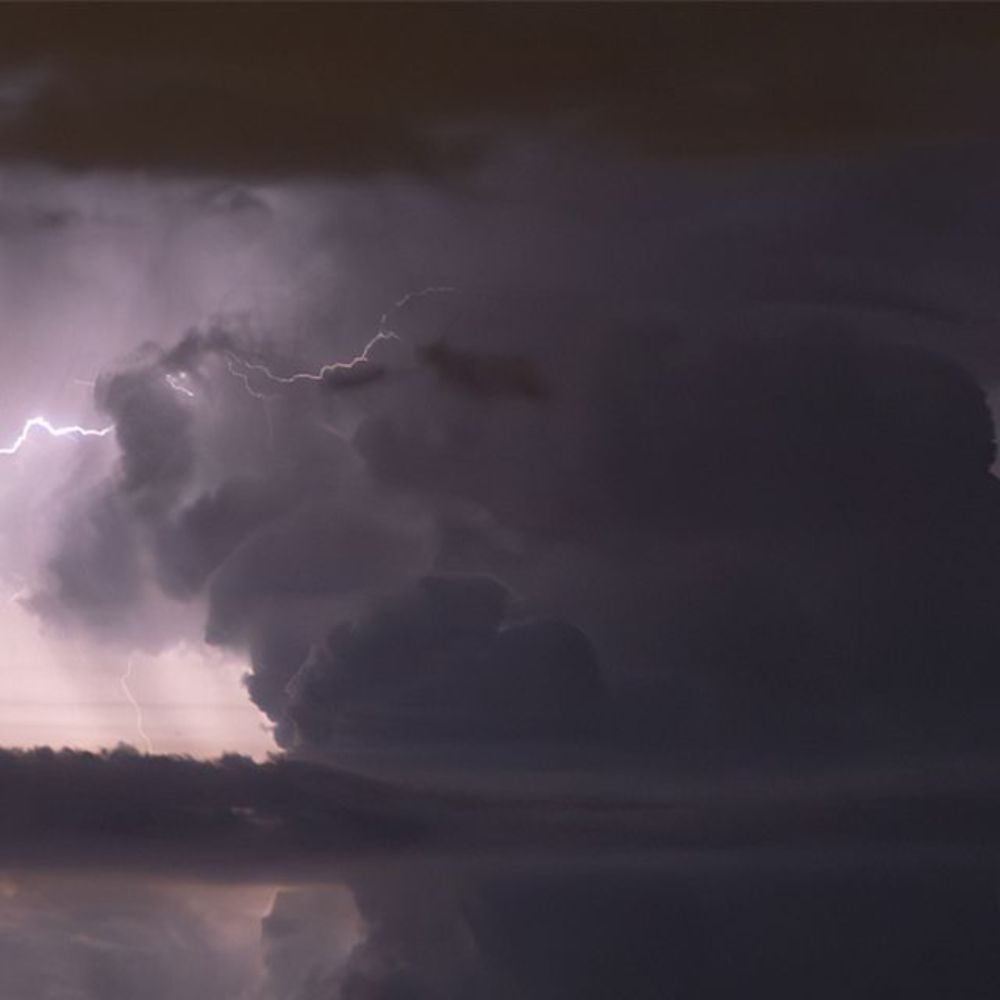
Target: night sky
497	502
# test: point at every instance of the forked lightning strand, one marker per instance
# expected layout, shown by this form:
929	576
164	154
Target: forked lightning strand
231	362
384	333
123	681
318	376
264	398
43	424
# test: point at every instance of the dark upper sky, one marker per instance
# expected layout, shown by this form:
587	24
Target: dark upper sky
359	89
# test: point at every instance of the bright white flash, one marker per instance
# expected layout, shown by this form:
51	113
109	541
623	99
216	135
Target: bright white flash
41	423
140	727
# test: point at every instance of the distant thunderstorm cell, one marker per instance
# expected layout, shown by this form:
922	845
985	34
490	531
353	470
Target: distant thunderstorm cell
42	423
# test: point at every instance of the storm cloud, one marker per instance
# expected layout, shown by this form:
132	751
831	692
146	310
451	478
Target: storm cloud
716	532
577	423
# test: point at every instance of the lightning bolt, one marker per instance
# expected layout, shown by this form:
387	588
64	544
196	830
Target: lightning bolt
123	681
241	367
177	384
232	361
265	399
317	376
41	423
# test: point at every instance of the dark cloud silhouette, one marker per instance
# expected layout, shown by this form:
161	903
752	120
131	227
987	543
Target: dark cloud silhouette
311	552
439	664
176	814
209	529
153	430
232	819
483	375
764	514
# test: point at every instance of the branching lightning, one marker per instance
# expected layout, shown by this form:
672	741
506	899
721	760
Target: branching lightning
231	363
263	397
140	727
242	368
317	376
41	423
